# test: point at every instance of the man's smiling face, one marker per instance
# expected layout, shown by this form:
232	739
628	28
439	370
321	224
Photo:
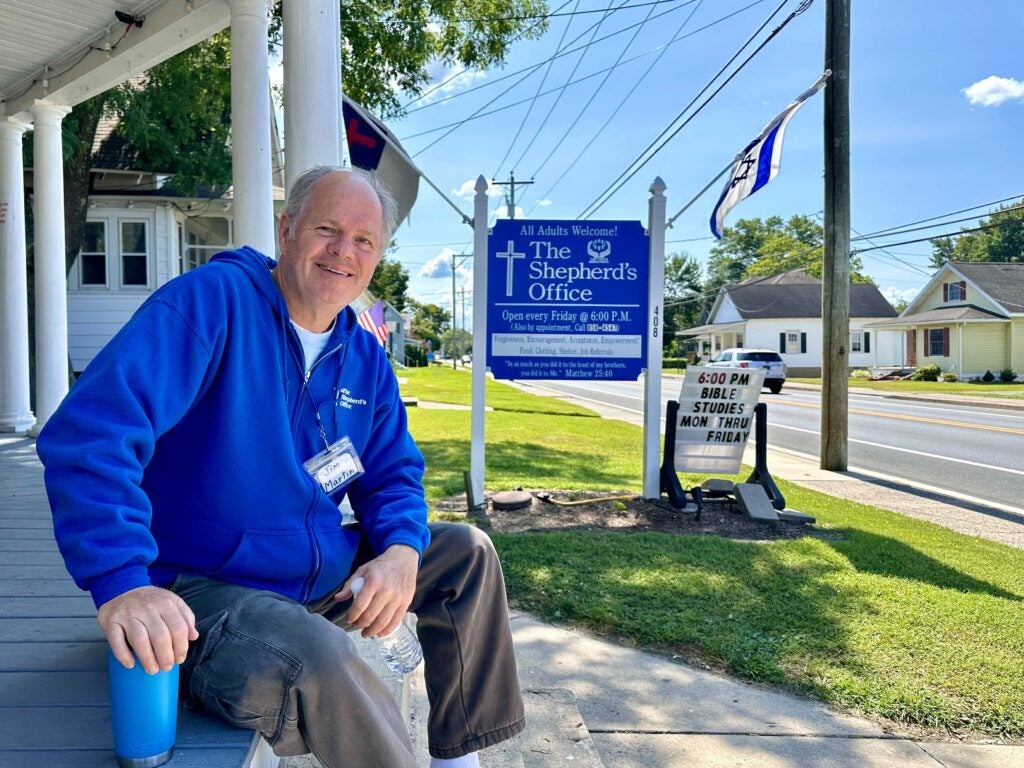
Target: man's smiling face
329	254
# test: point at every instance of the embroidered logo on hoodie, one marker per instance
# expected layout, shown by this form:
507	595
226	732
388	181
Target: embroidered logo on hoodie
344	399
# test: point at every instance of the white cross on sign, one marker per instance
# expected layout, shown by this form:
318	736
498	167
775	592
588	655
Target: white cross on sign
510	256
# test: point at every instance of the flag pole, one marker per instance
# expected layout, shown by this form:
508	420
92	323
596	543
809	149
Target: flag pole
405	156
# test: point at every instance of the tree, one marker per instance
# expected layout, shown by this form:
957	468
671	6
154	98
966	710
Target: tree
388	43
769	247
178	115
1002	241
683	297
457	342
390	282
429	322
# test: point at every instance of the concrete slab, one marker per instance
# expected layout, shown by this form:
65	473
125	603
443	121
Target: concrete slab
754	502
623	750
976	755
623	689
555	731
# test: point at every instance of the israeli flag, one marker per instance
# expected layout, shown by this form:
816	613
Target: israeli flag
759	162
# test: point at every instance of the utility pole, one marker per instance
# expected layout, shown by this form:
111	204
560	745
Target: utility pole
462	300
462	256
510	201
835	289
455	363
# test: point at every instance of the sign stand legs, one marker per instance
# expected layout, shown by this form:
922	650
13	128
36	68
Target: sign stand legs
760	475
669	479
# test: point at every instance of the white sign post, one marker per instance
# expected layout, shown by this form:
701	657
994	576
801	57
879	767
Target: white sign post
716	415
655	332
476	445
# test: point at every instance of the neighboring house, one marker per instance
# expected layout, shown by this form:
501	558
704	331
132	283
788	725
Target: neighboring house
969	318
139	233
783	313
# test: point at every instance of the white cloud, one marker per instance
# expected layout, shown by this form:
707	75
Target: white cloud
993	91
446	79
893	294
441	267
543	203
468	188
502	212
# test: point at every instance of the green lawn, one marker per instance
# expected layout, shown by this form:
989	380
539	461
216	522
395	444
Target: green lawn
894	617
995	389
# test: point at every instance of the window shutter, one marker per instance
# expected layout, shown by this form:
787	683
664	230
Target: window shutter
945	291
803	343
963	290
867	341
945	342
782	342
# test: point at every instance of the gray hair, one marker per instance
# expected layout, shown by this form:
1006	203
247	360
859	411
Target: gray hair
302	190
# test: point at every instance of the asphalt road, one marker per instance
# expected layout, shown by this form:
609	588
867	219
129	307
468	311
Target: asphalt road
965	450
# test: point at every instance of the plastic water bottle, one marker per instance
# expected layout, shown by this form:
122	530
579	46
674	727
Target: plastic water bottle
401	648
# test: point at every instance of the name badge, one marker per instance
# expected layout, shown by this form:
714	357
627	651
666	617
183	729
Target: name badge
336	466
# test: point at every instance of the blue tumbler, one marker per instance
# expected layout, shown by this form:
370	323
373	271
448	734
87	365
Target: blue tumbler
144	713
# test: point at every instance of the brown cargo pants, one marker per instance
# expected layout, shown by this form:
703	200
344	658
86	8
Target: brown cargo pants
267	663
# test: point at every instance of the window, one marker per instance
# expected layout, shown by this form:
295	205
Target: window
856	343
954	291
936	342
134	254
792	342
93	261
203	237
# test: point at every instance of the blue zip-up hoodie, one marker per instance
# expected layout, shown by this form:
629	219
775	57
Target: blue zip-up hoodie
180	448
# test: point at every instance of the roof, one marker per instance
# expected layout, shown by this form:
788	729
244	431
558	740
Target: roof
1002	282
966	313
764	300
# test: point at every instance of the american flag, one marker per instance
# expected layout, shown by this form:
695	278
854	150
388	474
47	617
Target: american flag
372	319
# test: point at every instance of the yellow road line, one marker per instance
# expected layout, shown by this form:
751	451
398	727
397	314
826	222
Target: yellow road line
903	417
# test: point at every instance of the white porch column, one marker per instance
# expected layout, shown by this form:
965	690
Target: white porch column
15	397
50	274
250	125
312	85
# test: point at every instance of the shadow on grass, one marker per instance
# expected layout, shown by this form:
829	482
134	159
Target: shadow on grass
543	412
538	465
741	607
886	556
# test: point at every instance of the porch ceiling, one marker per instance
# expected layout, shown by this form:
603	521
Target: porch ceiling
54	40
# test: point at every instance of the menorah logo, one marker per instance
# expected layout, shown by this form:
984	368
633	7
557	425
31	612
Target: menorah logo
599	251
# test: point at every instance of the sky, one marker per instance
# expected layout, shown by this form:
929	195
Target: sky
936	120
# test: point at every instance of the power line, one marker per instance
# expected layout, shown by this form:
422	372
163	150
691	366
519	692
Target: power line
534	67
637	164
575	82
540	86
593	96
480	19
443	83
622	102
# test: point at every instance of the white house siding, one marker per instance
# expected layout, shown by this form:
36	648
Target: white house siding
727	312
764	334
93	321
985	347
97	312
